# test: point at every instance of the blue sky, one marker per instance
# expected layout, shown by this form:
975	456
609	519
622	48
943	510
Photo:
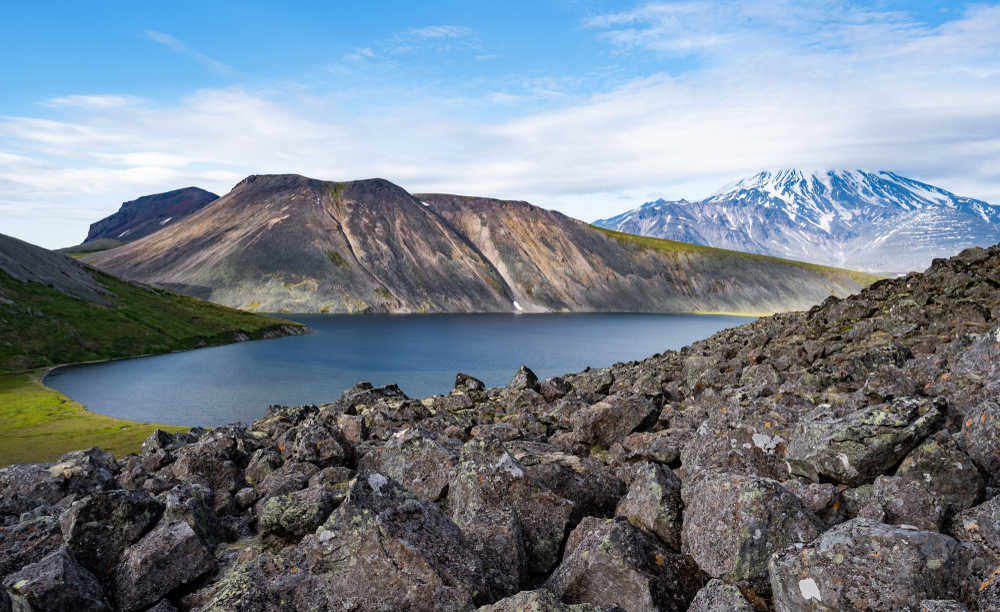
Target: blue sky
590	107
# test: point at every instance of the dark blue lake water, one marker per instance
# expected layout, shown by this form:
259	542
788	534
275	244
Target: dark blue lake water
421	353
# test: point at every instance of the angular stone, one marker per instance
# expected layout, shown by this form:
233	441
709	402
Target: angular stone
190	503
610	421
980	524
262	462
490	480
417	460
28	542
662	446
863	445
654	502
980	437
719	596
941	466
897	501
610	562
316	442
468	384
553	389
57	583
167	557
297	514
733	523
541	601
989	593
290	477
825	500
941	605
163	606
212	472
384	549
585	481
98	528
48	483
749	449
866	565
591	383
523	379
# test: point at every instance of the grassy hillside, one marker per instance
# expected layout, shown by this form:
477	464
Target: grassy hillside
41	327
39	425
673	246
89	248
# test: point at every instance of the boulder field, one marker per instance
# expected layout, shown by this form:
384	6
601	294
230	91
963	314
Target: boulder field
844	458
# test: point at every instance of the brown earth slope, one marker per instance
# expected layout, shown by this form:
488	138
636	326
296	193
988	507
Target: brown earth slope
290	243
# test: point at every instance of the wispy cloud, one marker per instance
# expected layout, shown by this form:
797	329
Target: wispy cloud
813	84
179	47
439	32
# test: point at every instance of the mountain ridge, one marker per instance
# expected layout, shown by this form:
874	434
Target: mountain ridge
873	222
295	244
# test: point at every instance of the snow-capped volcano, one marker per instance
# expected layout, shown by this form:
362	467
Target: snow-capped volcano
870	221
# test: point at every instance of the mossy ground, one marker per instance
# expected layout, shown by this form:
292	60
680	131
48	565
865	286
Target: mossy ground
39	424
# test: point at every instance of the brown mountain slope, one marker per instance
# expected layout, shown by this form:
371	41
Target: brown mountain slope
554	262
290	243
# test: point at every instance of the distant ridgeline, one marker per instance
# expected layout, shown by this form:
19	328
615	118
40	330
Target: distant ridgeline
876	222
142	217
55	310
288	243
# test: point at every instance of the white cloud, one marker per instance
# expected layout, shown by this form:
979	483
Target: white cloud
179	47
443	31
805	85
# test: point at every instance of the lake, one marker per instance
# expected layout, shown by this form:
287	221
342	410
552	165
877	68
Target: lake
421	353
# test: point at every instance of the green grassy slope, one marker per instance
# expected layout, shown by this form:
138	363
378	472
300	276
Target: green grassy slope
89	248
41	327
39	425
673	246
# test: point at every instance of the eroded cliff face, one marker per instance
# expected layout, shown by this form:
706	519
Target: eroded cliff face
556	263
289	243
294	244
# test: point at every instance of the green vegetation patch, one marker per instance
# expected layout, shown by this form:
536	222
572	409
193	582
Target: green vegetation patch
337	260
41	327
673	247
92	247
39	425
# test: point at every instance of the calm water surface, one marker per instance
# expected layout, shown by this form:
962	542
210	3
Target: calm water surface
421	353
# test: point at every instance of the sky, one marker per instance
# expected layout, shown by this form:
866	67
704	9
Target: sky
590	107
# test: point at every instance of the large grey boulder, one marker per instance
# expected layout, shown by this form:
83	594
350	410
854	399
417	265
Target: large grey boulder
863	445
611	420
866	565
941	605
384	549
750	448
78	473
719	596
494	491
611	562
989	593
979	524
98	528
980	437
28	542
167	557
296	514
193	505
585	481
733	523
415	458
57	583
654	502
317	442
897	501
941	466
541	601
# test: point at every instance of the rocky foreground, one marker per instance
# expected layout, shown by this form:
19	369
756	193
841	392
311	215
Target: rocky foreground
845	458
